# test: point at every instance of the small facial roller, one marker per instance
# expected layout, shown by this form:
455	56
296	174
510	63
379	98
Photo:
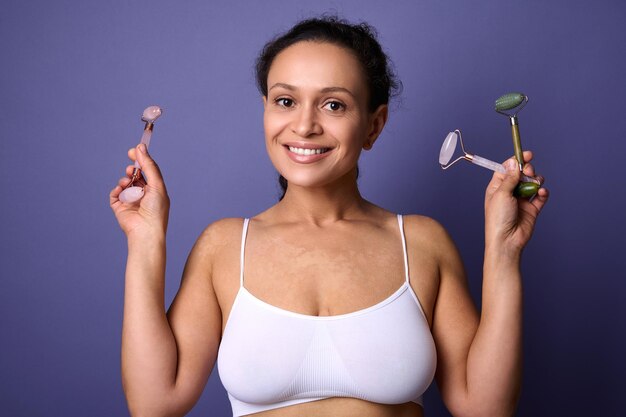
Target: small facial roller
133	193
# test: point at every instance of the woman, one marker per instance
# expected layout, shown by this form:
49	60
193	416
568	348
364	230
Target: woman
291	298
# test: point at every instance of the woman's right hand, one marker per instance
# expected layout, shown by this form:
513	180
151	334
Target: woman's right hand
149	215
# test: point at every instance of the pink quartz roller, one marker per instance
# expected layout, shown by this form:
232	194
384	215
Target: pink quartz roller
132	192
449	147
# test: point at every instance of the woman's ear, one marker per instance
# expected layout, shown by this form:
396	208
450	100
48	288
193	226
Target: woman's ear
377	121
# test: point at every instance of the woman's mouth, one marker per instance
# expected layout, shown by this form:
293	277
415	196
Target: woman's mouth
306	151
306	155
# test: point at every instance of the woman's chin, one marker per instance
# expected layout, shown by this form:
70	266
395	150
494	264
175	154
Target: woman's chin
306	183
318	182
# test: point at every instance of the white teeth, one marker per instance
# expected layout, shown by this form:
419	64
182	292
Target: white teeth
304	151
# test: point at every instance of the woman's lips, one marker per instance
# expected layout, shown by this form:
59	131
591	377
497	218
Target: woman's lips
306	155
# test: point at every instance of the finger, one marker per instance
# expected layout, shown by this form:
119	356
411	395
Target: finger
494	184
540	178
540	199
130	170
139	181
115	194
132	154
115	191
123	182
529	170
504	182
511	177
149	167
528	156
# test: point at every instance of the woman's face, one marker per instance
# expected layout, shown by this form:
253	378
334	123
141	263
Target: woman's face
316	113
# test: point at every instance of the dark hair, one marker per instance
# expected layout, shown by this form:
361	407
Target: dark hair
360	39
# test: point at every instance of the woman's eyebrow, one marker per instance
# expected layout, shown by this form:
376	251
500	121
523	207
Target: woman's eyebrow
337	89
323	90
282	85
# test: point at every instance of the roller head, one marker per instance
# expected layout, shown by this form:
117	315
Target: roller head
510	101
447	148
526	189
131	194
150	114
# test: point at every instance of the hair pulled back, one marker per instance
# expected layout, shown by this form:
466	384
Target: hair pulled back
359	39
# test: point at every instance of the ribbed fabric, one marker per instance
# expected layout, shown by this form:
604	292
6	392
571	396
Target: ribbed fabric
322	372
270	357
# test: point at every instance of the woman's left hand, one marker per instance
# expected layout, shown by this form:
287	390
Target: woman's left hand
510	220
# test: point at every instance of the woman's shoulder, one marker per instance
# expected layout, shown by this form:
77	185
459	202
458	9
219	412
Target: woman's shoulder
427	234
422	223
224	226
219	234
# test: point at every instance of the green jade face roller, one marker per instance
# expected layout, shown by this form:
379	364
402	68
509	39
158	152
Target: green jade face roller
510	101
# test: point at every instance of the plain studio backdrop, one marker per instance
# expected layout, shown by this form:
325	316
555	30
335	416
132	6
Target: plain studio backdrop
76	75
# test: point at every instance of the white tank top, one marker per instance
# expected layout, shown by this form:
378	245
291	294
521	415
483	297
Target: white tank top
270	357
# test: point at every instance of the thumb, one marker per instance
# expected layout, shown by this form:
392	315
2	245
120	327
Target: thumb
512	176
149	168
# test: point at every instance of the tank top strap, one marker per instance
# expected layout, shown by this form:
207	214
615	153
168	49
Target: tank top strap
244	233
406	258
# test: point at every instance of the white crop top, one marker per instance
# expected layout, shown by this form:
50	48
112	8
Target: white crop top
270	357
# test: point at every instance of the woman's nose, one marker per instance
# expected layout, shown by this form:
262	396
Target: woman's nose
306	122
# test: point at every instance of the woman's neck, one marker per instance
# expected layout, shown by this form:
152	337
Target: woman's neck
322	205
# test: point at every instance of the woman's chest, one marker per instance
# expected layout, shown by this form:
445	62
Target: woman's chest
323	282
272	355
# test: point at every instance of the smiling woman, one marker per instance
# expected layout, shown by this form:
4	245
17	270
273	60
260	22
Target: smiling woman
344	308
357	40
325	122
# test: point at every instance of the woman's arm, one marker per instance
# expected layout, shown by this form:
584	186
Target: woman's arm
165	362
479	370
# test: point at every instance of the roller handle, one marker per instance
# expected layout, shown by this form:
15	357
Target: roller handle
494	166
517	143
145	139
486	163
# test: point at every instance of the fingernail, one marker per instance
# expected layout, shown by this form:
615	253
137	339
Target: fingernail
142	148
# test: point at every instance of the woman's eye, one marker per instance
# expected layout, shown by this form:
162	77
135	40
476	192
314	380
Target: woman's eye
334	106
284	102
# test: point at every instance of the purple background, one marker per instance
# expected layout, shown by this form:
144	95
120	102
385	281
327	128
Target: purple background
76	75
